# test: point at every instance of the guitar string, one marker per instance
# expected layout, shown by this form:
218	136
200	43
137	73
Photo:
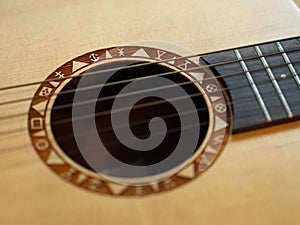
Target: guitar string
70	136
58	122
108	112
24	99
28	145
235	61
128	94
111	97
136	123
145	64
70	105
17	130
130	80
109	143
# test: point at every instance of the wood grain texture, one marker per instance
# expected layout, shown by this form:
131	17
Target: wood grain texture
256	180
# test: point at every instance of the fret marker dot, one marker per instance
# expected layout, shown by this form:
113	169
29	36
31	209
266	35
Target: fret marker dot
283	76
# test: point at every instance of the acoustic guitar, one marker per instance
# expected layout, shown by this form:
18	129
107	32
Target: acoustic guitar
150	112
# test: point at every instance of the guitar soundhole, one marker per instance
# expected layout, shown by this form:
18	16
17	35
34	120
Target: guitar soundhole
150	106
129	120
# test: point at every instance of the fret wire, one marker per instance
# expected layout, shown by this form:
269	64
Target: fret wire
253	86
274	82
288	62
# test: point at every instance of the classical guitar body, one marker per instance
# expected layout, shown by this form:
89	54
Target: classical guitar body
245	79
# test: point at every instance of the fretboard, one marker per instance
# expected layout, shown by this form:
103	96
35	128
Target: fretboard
263	82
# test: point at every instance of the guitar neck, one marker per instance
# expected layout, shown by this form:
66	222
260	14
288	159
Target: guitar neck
262	82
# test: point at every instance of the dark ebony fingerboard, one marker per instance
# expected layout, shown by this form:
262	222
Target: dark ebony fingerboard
263	82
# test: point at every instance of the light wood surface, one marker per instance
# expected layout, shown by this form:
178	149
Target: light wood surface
256	180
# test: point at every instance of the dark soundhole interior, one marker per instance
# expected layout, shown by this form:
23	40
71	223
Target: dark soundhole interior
61	114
